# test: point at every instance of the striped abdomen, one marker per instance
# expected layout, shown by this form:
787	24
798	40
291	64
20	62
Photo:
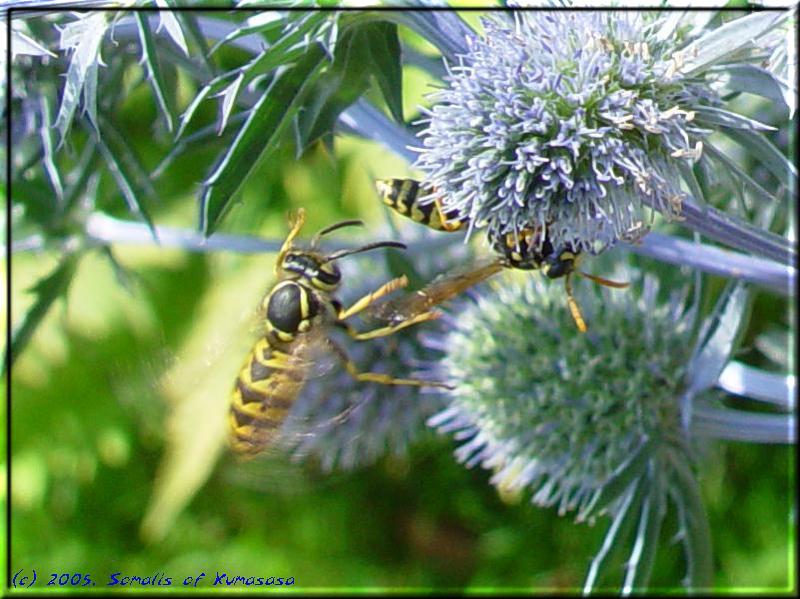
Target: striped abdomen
403	196
265	391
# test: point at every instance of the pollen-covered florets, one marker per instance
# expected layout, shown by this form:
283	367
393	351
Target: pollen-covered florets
556	411
573	121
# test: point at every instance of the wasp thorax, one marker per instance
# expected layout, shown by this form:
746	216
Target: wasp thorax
290	308
315	268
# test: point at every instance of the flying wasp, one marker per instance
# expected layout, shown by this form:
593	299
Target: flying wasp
298	314
531	249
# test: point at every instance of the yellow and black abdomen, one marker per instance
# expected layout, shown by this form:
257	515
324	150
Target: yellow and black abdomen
265	390
275	370
404	195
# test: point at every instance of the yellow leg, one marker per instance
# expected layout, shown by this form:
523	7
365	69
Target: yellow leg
446	225
573	306
602	281
368	299
381	378
389	330
297	224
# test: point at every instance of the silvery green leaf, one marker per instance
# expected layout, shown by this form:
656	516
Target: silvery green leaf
189	112
765	152
718	261
126	278
366	120
694	531
697	20
445	30
288	48
47	133
625	517
229	95
22	43
735	170
83	178
709	115
776	344
132	180
268	120
736	232
620	480
192	29
105	229
47	290
170	22
265	23
291	47
716	341
83	37
752	79
783	64
689	177
639	566
673	20
198	137
153	69
746	381
718	45
384	52
363	44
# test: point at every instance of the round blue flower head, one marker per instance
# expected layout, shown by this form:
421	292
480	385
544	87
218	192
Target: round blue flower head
568	121
561	413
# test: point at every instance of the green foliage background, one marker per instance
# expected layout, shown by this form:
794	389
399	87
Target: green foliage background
88	423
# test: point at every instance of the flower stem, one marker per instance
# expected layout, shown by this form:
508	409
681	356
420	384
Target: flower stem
738	425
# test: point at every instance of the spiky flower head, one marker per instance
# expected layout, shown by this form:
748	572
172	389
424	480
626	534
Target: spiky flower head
558	412
573	121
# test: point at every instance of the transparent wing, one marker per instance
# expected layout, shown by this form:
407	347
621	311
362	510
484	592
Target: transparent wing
441	289
312	353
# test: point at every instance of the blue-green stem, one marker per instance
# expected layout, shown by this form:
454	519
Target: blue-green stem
754	383
103	229
738	425
717	261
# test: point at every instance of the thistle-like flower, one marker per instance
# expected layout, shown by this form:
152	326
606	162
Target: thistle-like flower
590	423
553	410
569	121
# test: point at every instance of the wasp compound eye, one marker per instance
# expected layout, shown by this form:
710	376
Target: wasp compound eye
327	276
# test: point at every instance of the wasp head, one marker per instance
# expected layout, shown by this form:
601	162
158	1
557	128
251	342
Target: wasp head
314	266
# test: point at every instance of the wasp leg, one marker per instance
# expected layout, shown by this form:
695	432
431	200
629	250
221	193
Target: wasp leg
446	224
370	298
573	305
389	330
604	282
297	224
379	377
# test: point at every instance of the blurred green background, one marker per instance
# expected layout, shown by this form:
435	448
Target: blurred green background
93	391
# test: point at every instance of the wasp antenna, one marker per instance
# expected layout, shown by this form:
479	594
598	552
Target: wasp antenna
339	225
334	227
366	248
604	282
296	223
573	306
